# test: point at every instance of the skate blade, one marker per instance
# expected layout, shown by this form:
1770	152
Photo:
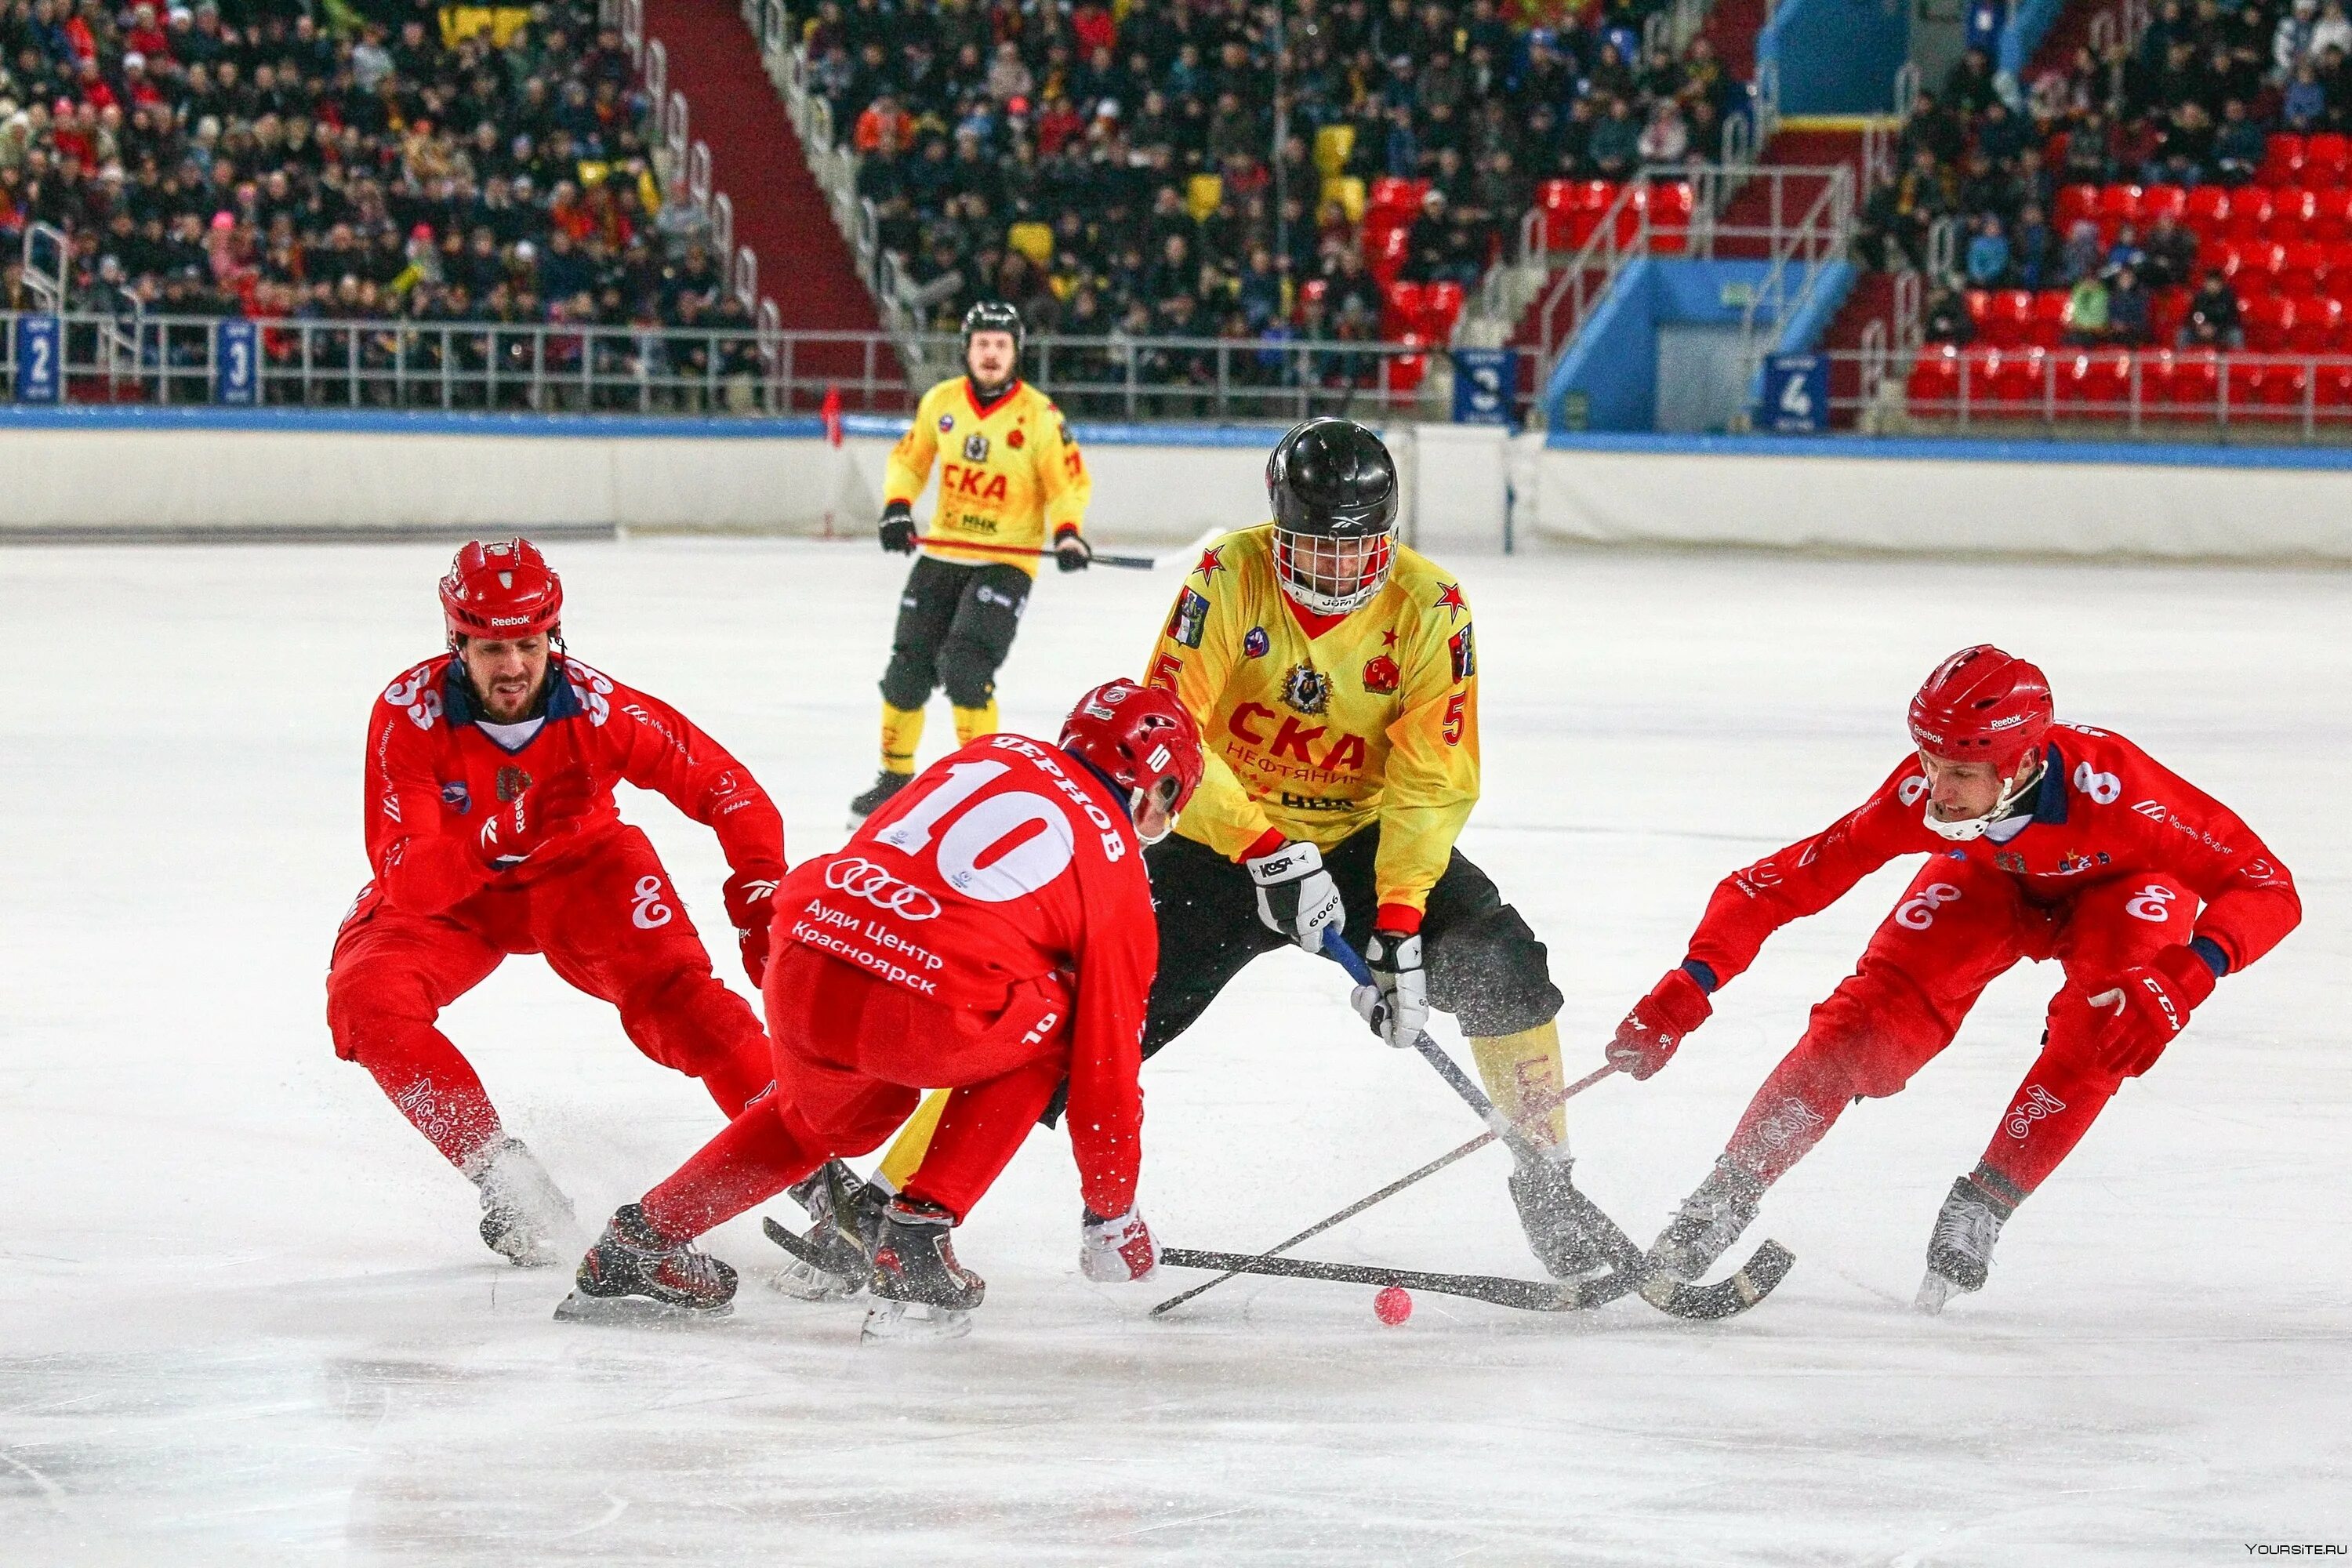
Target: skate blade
896	1323
532	1257
635	1312
806	1282
1935	1293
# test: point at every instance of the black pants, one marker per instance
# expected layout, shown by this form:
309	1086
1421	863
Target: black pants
955	626
1485	967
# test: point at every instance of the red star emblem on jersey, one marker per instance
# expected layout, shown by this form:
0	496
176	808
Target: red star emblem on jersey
1211	562
1449	599
1388	639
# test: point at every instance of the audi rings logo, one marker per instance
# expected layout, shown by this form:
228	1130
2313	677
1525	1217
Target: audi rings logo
862	879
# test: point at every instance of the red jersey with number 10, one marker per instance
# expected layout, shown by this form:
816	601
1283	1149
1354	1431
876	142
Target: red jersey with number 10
1003	868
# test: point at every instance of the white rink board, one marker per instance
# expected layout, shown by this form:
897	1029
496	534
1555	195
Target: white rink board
245	1319
1914	504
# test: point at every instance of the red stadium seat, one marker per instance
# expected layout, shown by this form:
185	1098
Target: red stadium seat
2250	214
1388	254
2076	202
1406	372
1401	305
2336	275
2009	318
2208	213
2325	158
2118	205
1934	389
2331	214
2049	324
1390	194
2096	383
1557	200
2166	312
2163	201
2318	323
2302	262
2258	265
2268	318
2291	211
2265	390
1442	310
2014	380
2282	160
1670	218
2332	391
1979	304
2189	382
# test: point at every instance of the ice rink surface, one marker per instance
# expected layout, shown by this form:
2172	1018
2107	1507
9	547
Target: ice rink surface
245	1318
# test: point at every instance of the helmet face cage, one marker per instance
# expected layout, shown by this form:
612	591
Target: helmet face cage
1331	575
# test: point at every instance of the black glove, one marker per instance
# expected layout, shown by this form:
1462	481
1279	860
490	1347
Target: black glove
898	529
1072	552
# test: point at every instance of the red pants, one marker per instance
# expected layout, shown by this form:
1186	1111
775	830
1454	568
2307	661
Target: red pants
1959	925
852	1055
609	923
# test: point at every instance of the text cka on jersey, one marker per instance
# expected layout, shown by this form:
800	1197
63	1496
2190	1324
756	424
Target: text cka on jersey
1283	746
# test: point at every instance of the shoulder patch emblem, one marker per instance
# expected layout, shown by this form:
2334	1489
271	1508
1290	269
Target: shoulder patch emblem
947	423
1191	619
1257	644
1308	690
1380	675
1466	654
1450	600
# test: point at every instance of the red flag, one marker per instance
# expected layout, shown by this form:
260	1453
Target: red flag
833	416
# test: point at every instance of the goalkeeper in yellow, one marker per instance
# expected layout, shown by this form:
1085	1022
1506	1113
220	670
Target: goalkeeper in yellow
1010	479
1335	677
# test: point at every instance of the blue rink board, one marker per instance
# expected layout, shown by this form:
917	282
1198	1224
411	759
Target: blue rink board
603	426
1960	449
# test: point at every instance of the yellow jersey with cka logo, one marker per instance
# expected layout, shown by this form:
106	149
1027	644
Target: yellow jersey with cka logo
1009	473
1317	726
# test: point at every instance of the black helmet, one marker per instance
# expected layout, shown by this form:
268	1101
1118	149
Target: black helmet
1331	480
1332	477
993	316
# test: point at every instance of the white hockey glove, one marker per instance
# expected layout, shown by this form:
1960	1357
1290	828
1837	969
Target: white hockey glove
1116	1251
1396	1004
1295	897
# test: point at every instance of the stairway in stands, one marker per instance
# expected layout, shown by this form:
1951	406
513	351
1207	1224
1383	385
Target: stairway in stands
805	265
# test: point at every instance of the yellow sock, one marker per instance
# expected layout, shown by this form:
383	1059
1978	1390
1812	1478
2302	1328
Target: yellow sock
902	732
972	723
1522	1071
914	1141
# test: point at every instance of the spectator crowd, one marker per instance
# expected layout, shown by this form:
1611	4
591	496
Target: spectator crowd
368	160
2190	105
1198	168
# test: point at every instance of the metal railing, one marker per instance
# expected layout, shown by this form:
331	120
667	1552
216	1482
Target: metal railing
1823	235
2092	394
175	361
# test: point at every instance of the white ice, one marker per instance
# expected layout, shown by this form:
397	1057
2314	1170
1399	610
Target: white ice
245	1318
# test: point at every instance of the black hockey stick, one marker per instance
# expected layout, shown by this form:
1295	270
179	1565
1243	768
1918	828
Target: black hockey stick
1662	1290
1748	1287
1392	1190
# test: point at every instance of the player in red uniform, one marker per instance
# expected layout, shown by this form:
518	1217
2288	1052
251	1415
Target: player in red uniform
988	930
491	830
2048	841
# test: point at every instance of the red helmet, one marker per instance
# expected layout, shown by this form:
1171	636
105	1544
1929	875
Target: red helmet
1140	737
500	592
1982	705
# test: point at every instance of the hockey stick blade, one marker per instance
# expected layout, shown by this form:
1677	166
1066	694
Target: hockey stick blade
1706	1303
792	1241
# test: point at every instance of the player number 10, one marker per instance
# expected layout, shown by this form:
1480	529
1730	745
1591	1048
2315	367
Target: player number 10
1040	857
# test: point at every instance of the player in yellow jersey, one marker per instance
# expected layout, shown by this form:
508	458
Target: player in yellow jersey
1010	478
1334	674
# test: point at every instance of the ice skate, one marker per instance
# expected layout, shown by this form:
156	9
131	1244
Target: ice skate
1959	1250
885	785
634	1274
839	1271
1565	1249
1708	1222
525	1215
915	1265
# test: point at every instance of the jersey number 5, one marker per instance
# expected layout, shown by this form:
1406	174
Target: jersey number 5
1046	838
